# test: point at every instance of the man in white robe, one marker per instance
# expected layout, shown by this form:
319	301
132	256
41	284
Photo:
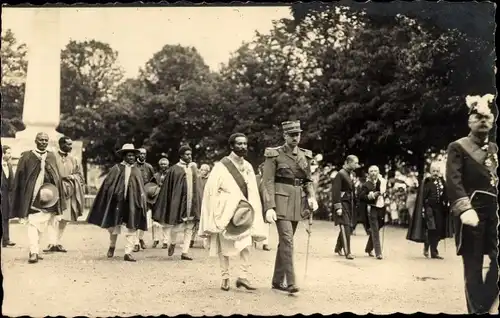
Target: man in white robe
231	186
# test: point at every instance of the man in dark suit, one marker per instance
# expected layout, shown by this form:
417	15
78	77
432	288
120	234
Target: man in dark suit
7	186
371	198
472	190
343	197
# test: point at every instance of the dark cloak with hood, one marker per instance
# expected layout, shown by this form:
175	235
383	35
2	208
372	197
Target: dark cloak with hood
27	171
417	229
171	205
111	208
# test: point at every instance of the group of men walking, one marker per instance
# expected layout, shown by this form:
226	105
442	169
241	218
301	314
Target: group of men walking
46	192
229	207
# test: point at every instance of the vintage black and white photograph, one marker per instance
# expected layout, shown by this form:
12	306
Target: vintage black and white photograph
263	159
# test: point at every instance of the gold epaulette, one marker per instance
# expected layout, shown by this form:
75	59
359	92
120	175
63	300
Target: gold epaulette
271	152
308	153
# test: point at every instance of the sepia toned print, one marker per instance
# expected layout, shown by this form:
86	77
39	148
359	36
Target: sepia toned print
266	160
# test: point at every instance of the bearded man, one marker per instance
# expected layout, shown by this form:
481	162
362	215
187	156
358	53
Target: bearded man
178	205
73	182
120	205
472	181
35	169
232	195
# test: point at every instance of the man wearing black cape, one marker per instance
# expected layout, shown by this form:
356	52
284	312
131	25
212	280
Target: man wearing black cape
178	205
431	221
35	169
120	204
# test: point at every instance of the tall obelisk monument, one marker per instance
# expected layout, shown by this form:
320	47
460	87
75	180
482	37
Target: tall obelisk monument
41	112
41	109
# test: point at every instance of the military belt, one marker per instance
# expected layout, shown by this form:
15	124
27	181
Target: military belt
291	181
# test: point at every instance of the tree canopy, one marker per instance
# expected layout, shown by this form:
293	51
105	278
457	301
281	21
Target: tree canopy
387	87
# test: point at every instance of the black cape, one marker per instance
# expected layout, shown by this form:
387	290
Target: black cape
417	229
110	208
28	168
171	205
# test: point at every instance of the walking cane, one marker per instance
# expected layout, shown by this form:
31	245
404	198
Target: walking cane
308	230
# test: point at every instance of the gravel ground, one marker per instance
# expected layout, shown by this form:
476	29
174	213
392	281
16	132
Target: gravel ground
83	282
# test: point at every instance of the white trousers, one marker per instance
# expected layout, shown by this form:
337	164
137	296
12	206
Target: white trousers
140	233
170	234
130	236
56	229
37	223
224	264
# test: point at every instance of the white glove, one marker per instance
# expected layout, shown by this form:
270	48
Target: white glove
271	216
371	195
339	212
23	221
469	217
313	204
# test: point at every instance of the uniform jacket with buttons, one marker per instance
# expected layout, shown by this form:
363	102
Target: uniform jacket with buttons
289	201
468	181
343	197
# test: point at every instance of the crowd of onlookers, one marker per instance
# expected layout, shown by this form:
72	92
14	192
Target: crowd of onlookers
400	196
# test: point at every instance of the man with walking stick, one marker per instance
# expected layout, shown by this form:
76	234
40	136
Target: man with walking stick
289	196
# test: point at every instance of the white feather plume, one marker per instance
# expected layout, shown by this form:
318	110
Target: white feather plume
481	103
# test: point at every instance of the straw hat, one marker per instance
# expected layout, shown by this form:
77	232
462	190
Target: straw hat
127	148
48	195
242	219
152	190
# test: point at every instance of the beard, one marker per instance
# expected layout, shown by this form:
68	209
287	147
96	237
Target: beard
240	152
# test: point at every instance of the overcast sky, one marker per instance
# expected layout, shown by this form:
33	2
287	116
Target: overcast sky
137	33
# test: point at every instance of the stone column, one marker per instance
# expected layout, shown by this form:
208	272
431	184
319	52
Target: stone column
41	112
41	109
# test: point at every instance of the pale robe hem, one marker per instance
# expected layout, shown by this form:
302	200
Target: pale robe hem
227	247
220	200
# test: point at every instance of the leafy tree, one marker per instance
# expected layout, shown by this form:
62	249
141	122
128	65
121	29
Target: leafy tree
89	77
178	105
359	84
14	67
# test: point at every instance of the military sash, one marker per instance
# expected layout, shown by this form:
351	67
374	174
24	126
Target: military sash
236	175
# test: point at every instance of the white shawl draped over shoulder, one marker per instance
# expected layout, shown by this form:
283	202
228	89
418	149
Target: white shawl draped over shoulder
220	199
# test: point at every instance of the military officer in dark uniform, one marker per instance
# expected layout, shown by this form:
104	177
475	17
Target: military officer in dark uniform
434	209
472	190
431	220
343	198
289	196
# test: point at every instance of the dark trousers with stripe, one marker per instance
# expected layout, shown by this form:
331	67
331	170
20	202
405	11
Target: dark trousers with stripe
283	266
481	293
432	242
344	239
